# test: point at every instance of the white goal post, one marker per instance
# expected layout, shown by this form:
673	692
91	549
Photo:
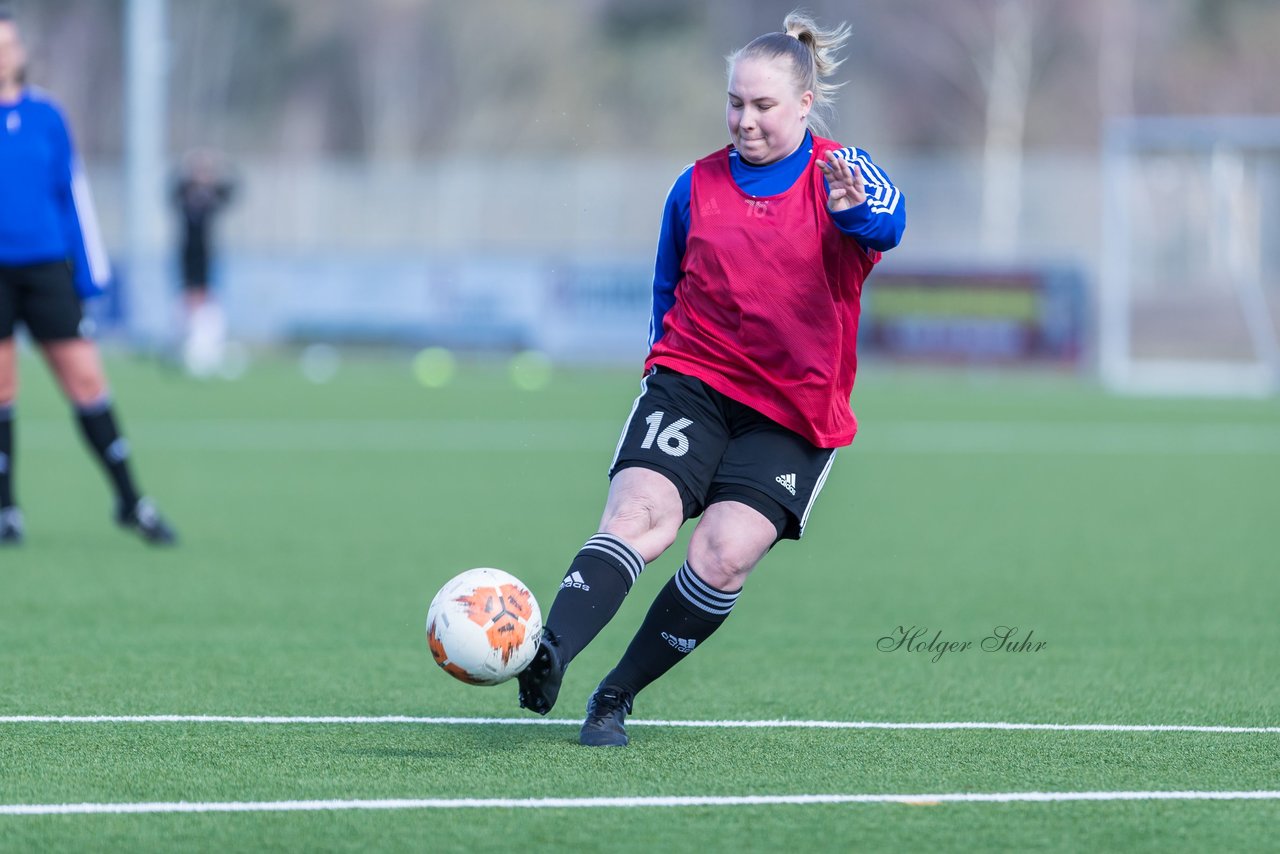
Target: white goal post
1190	284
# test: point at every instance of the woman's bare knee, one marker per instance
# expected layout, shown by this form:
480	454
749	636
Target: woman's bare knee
644	509
8	372
78	368
729	541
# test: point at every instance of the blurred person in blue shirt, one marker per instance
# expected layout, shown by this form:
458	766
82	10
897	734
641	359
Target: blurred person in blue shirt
51	259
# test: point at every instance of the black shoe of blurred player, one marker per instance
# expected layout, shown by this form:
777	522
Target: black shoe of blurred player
145	520
606	711
11	529
540	681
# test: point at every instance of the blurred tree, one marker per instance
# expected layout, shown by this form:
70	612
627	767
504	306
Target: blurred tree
232	67
979	63
414	78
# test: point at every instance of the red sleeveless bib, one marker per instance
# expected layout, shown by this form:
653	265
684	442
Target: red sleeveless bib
767	310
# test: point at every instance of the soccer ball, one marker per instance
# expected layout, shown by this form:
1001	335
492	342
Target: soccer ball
483	626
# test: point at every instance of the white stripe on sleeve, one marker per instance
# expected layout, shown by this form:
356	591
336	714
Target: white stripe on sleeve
94	250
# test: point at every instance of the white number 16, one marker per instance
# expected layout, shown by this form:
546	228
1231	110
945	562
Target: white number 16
671	440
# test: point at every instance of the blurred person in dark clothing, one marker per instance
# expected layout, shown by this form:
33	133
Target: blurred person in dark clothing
200	193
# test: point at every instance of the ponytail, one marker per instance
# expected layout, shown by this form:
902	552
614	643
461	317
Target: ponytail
812	51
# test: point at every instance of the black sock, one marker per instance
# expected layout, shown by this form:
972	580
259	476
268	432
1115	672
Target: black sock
592	591
98	426
684	614
6	455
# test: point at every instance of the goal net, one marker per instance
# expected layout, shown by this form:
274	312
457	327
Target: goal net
1190	287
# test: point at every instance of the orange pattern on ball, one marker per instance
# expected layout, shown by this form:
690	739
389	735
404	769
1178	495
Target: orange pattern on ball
501	612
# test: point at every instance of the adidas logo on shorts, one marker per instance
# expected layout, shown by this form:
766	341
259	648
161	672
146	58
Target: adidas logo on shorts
788	482
684	645
574	579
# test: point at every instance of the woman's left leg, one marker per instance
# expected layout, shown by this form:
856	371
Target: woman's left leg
78	368
728	542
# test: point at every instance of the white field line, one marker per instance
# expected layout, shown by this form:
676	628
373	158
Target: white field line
875	437
627	802
531	721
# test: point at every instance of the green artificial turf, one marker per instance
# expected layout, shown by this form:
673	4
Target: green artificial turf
1135	538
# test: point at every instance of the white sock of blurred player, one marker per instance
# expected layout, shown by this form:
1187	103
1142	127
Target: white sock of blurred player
206	341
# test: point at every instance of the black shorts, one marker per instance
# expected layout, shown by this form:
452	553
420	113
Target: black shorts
195	268
715	449
43	297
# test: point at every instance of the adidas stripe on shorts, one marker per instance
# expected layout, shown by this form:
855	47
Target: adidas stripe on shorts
716	449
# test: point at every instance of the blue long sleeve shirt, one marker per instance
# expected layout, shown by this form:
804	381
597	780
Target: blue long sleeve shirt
46	213
877	223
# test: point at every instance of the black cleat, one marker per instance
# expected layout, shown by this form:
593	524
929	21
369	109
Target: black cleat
606	711
11	527
143	518
540	681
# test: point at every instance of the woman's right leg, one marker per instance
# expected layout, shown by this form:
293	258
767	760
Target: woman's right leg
641	518
8	391
10	517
